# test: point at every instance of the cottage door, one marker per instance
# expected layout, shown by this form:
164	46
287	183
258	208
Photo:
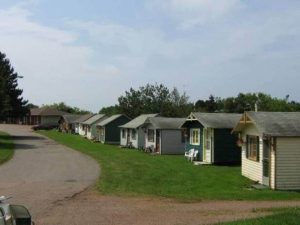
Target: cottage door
157	141
207	145
265	161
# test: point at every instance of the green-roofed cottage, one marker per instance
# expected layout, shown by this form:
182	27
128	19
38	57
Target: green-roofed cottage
210	134
132	134
271	148
108	130
164	135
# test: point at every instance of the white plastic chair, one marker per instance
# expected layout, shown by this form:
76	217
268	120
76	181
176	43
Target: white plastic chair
189	154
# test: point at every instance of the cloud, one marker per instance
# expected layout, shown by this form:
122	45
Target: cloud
191	13
54	67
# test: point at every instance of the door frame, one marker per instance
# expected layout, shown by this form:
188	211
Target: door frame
266	161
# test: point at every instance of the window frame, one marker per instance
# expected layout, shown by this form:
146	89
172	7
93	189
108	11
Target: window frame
252	148
133	134
151	138
195	136
123	133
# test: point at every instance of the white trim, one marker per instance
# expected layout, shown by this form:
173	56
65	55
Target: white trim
191	136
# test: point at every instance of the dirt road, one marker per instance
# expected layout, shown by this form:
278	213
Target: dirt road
43	172
46	177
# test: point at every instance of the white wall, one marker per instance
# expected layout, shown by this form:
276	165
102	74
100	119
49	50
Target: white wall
252	169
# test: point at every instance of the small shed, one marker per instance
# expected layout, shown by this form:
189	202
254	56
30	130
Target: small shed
67	123
271	148
132	134
164	135
90	126
109	130
210	134
79	127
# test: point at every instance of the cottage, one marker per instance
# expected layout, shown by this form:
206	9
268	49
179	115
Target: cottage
79	128
164	135
44	116
271	148
89	126
132	134
109	131
67	123
210	134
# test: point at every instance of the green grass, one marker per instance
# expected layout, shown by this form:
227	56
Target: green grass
289	216
127	172
6	147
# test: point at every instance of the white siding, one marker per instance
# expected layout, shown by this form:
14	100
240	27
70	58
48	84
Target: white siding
123	141
251	169
150	143
81	130
134	142
288	164
272	166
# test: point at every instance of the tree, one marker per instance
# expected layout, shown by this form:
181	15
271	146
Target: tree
12	104
110	110
155	98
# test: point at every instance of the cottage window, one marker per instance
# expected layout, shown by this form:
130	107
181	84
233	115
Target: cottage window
88	128
123	133
252	148
195	137
150	135
133	134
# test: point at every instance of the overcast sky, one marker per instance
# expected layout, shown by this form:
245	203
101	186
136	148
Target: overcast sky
88	53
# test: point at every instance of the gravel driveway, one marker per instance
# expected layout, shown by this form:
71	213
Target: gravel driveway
42	172
50	180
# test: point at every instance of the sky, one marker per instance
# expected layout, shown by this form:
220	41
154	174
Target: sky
88	53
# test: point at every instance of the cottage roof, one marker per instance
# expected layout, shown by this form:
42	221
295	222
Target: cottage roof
138	121
272	123
215	120
71	118
83	118
46	111
94	119
165	122
109	120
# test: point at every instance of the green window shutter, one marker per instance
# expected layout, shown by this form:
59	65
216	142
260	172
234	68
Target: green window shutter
257	148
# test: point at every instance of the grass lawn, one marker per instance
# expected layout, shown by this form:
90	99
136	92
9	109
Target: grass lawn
6	147
289	216
133	173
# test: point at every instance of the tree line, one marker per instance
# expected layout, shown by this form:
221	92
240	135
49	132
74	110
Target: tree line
157	98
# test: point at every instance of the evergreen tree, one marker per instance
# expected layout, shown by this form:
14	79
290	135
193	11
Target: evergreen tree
12	104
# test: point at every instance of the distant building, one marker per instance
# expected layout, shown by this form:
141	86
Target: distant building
132	134
108	130
43	116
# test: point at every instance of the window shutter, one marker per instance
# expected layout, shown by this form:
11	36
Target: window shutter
257	148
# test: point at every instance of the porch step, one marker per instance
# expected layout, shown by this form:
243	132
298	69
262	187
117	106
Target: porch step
259	186
199	163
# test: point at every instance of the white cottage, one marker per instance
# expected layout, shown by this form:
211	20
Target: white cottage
132	134
89	126
271	148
